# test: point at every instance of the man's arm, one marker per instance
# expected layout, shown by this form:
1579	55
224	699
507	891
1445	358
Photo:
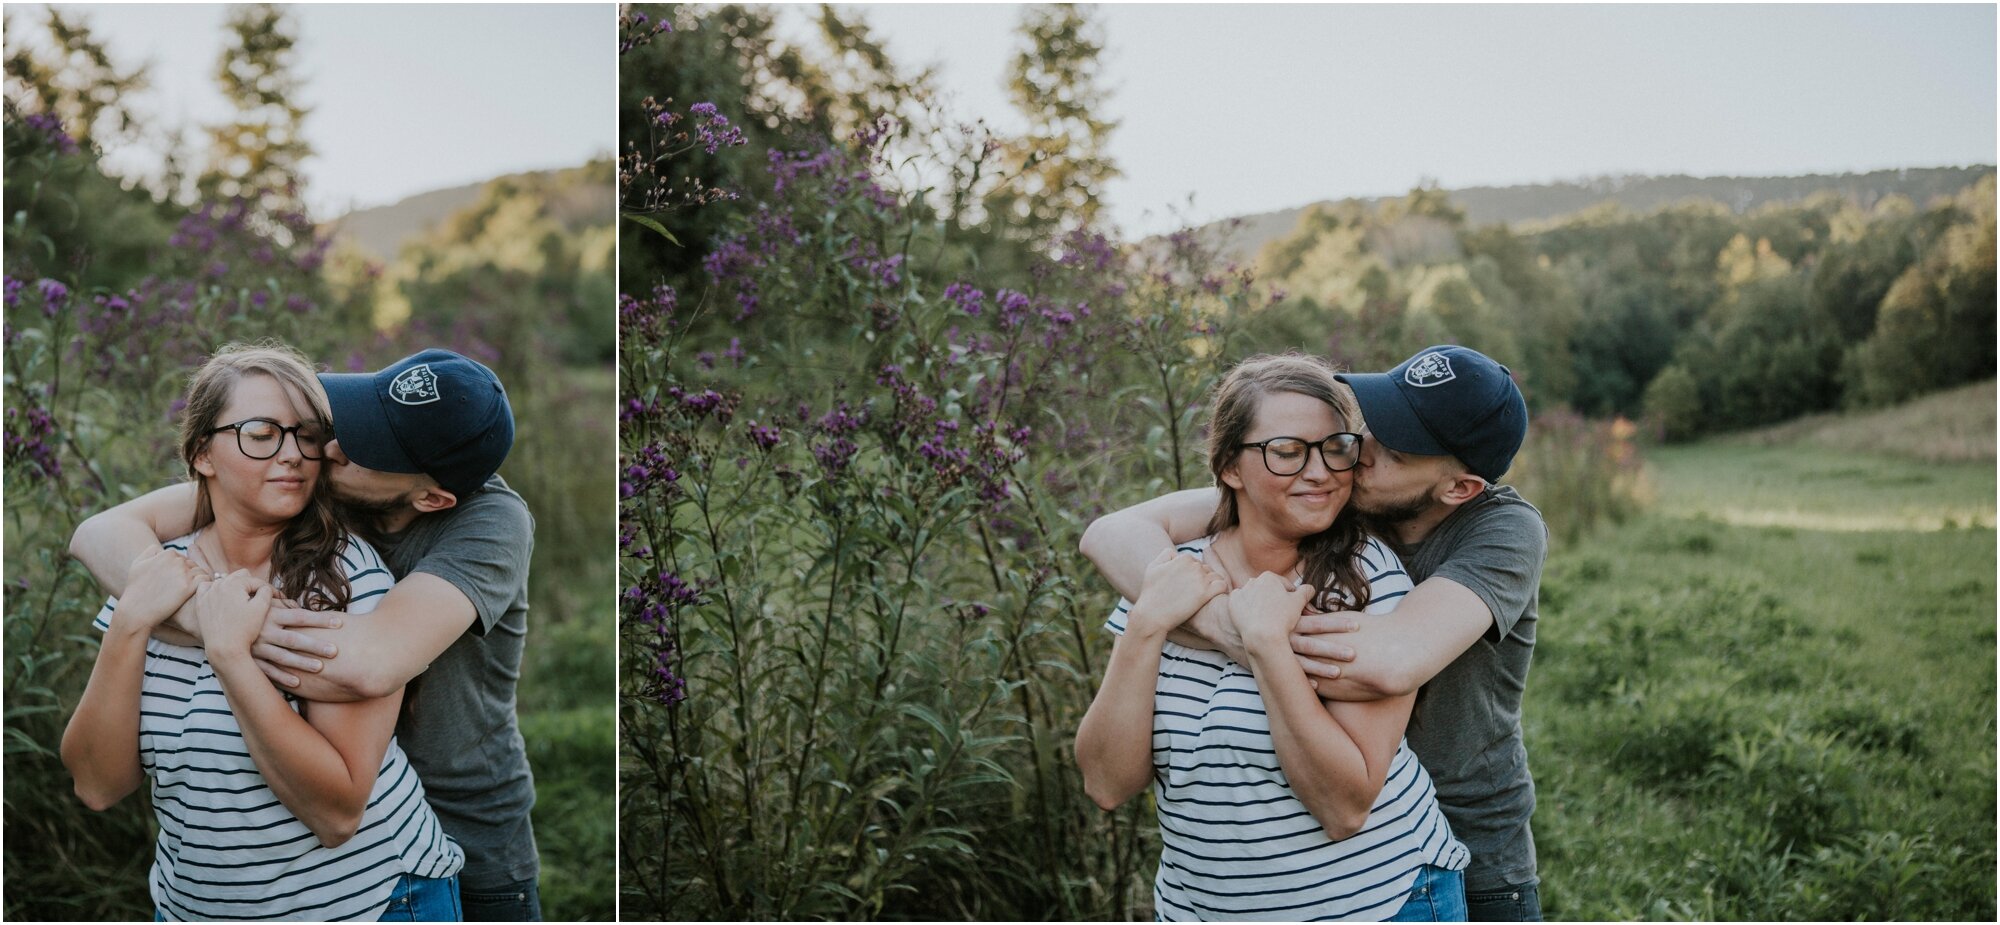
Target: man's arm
1395	654
417	620
108	542
1123	543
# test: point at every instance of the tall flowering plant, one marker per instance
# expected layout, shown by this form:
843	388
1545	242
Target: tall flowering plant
109	297
857	635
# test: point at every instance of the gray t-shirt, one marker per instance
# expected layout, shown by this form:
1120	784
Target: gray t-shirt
1466	727
459	728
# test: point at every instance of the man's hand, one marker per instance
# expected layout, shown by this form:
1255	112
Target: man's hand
281	650
1317	644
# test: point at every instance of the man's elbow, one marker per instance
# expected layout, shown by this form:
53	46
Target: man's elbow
1093	541
350	684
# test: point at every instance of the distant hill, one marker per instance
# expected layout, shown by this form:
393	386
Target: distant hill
382	231
1513	205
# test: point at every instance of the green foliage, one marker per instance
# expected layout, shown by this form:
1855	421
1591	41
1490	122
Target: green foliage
1792	308
1673	403
1935	327
111	296
1714	739
857	637
81	85
1061	167
259	154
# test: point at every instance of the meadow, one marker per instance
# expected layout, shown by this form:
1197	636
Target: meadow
1771	694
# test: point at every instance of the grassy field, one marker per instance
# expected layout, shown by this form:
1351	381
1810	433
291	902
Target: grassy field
1772	695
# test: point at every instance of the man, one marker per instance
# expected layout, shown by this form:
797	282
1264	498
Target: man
417	445
1441	429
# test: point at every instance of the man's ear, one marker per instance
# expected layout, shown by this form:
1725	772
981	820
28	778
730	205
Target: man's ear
1462	487
433	499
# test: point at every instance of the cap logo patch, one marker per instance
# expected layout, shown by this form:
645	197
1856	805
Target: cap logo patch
415	386
1429	370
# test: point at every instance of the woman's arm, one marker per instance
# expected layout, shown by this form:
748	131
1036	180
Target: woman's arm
322	764
1114	744
100	746
1336	756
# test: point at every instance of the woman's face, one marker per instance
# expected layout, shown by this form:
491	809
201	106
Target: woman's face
1298	505
270	490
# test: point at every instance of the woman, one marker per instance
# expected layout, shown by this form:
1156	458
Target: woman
1271	805
268	808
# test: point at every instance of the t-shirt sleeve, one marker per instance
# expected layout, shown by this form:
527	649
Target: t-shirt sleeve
1388	583
368	578
1500	559
484	551
1116	623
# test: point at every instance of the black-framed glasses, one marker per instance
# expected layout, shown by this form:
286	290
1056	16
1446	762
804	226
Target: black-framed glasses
261	438
1288	455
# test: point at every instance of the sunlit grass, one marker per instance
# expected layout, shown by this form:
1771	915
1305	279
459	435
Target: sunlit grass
1771	696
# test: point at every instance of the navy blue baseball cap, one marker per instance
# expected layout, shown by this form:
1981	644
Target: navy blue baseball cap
1445	401
436	412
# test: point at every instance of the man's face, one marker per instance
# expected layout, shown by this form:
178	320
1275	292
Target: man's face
369	489
1396	486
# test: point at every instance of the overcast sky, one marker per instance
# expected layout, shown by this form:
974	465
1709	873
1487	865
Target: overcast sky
1256	108
404	98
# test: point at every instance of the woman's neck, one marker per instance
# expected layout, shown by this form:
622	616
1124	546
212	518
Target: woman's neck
1260	551
241	544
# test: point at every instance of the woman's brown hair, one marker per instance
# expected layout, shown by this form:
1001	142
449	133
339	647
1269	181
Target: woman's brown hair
1333	553
305	563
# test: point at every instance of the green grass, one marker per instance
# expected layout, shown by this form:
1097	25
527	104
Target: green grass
1772	696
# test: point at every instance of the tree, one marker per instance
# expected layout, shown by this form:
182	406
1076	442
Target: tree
1061	166
259	156
80	85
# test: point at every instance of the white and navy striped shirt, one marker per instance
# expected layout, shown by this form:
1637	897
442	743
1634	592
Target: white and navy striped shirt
1236	842
228	849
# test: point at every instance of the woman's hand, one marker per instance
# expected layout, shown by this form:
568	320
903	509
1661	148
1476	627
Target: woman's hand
1267	609
1176	586
230	613
161	580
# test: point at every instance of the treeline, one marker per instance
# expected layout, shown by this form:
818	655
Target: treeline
1692	316
1523	203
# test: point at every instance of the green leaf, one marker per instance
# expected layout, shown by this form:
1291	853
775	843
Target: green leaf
656	226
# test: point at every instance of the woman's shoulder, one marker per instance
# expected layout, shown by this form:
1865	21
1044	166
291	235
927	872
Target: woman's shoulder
1197	547
1383	570
358	555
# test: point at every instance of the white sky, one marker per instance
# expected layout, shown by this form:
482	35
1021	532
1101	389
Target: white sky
1255	108
404	98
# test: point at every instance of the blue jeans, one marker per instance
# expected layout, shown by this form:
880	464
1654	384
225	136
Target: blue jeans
415	899
520	901
424	899
1437	896
1518	903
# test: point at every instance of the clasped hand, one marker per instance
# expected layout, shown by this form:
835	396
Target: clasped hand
158	584
1266	610
229	612
1176	586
